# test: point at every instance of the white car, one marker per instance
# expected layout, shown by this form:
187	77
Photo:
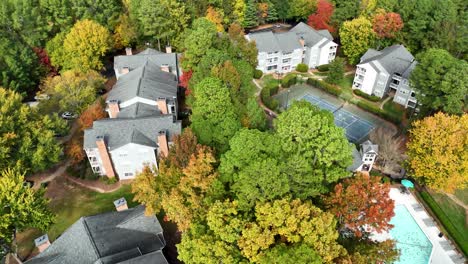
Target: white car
39	97
68	115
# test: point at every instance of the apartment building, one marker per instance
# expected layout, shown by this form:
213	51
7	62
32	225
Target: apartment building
387	72
282	52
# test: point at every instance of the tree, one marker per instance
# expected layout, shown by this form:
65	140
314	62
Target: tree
19	65
187	201
20	207
386	25
74	90
437	152
292	222
250	15
214	119
216	17
368	251
74	151
344	10
92	113
59	15
238	12
254	116
282	7
125	33
229	75
390	155
104	12
82	48
440	82
321	18
183	148
248	50
296	253
26	138
198	40
161	20
316	151
300	9
357	36
337	70
362	205
272	14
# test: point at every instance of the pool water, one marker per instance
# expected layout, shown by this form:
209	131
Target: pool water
414	246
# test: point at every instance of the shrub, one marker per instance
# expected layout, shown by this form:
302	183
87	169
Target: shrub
289	80
446	222
301	67
360	93
258	74
324	86
323	68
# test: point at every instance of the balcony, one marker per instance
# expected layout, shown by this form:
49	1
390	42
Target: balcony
359	78
394	85
396	77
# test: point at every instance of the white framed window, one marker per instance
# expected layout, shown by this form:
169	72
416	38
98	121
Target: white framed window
96	169
286	60
128	174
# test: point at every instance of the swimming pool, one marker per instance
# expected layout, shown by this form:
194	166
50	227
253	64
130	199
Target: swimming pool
414	246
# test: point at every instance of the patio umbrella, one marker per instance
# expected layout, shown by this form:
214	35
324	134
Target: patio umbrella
407	184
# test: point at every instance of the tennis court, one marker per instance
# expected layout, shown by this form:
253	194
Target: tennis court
356	128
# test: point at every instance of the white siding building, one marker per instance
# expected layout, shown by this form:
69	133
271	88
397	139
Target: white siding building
282	52
387	71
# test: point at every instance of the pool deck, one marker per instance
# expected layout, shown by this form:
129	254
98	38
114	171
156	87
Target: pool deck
443	252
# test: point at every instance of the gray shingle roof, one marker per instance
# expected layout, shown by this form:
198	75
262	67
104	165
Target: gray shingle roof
265	41
107	238
134	61
118	132
288	41
395	59
357	160
368	146
310	35
147	81
138	110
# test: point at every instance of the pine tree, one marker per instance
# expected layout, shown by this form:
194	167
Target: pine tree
250	16
272	13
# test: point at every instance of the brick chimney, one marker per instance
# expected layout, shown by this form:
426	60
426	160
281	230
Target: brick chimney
302	41
165	68
42	243
114	108
162	142
128	51
121	204
106	161
162	105
168	49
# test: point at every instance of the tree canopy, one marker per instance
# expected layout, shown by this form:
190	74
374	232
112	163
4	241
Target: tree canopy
437	151
357	36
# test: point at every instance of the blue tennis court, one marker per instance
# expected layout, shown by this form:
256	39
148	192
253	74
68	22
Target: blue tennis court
356	128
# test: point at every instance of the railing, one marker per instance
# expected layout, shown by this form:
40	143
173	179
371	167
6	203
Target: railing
396	77
394	85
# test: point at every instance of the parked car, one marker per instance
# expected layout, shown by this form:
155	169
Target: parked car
39	97
68	115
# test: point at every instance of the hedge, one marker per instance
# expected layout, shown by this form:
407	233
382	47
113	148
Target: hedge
301	67
266	93
258	74
372	98
323	68
324	86
289	80
451	229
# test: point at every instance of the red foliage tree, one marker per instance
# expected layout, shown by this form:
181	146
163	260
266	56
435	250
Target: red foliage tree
362	204
92	113
185	145
184	81
386	25
44	60
320	19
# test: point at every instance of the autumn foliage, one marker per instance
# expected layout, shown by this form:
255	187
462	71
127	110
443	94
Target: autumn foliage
184	81
185	145
360	203
74	151
92	113
386	25
321	18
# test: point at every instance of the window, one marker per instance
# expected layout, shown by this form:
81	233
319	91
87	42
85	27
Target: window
286	68
128	174
286	60
96	169
172	109
287	53
272	67
92	159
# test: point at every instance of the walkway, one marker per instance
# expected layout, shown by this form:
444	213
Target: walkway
442	249
271	114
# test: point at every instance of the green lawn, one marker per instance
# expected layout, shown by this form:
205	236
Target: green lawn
73	202
462	195
453	215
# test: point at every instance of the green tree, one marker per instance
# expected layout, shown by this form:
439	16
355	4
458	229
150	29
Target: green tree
282	7
296	253
336	71
83	47
440	82
214	119
365	251
301	9
437	153
316	151
253	116
357	36
125	33
75	91
26	138
197	42
272	12
344	10
104	12
20	207
19	65
250	14
58	14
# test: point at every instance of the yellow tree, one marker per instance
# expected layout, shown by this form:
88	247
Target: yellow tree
216	16
85	46
356	36
438	151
